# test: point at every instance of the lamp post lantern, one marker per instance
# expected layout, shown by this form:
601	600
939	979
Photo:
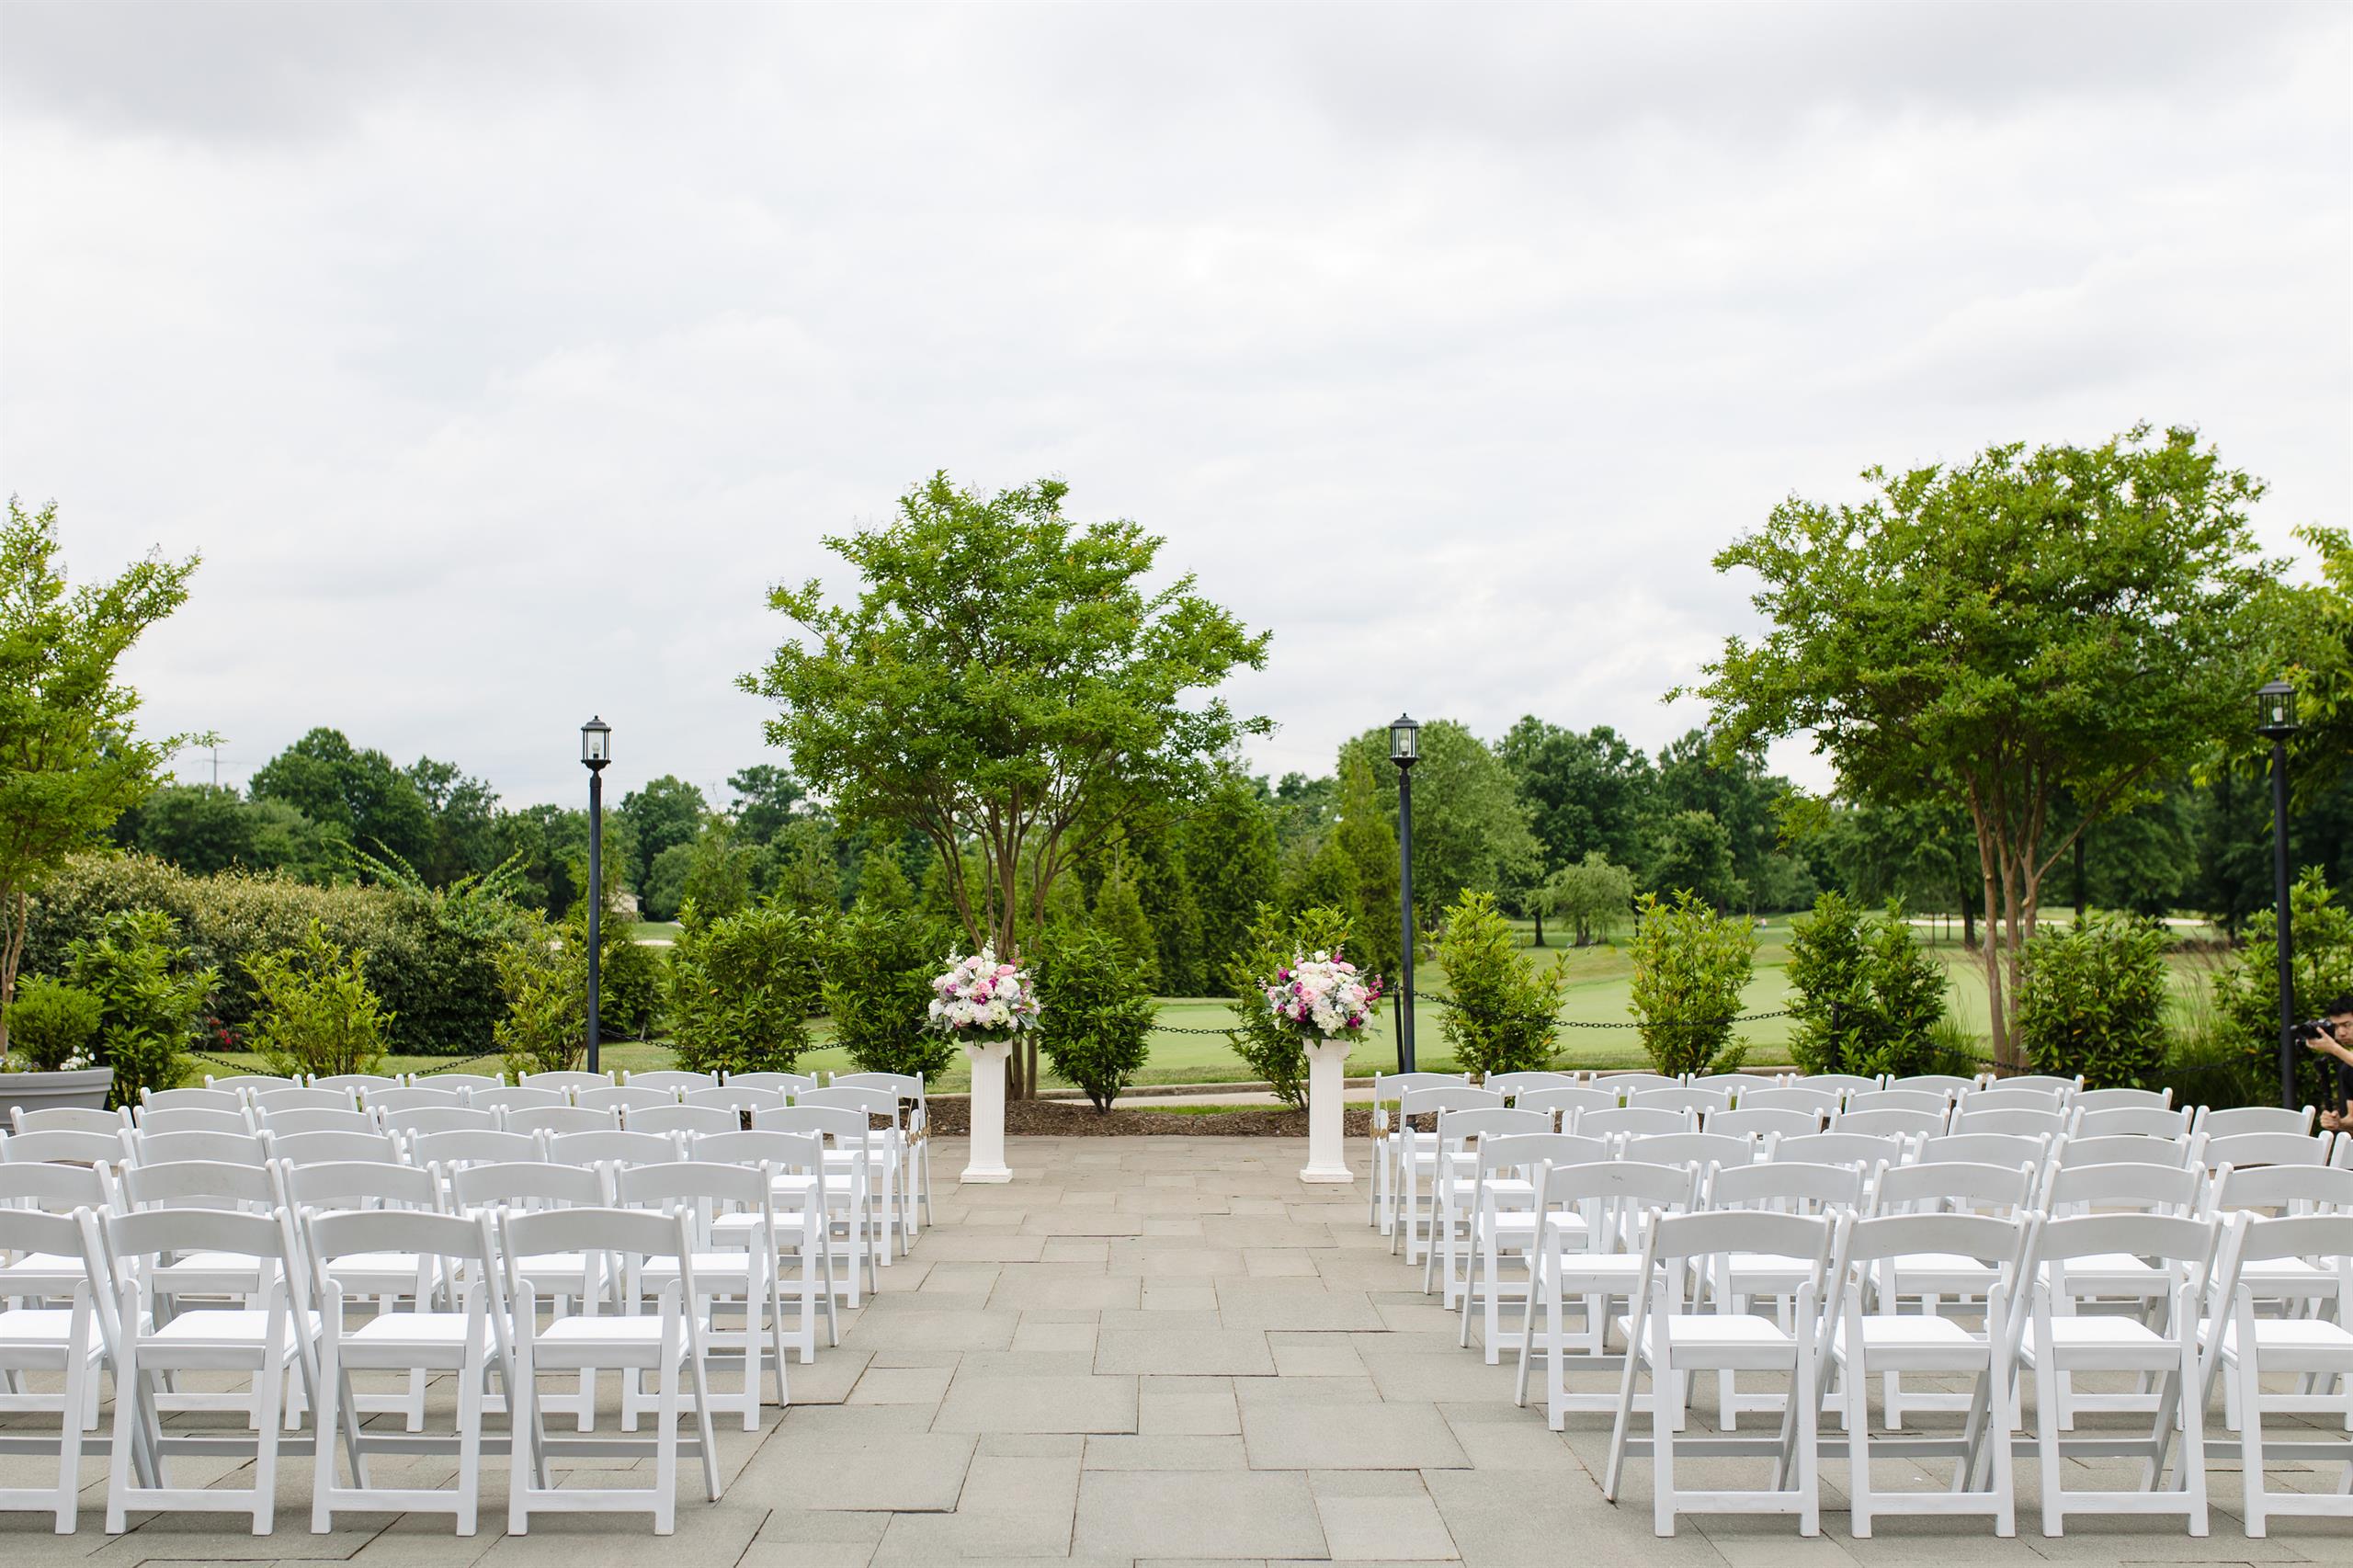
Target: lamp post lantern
1404	750
2276	714
595	751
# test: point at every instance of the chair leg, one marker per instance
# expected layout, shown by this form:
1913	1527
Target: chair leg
1665	1381
665	1437
2046	1426
70	1424
129	1395
1859	1444
2250	1445
1805	1408
271	1393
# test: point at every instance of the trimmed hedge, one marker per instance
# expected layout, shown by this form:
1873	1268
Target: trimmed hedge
431	962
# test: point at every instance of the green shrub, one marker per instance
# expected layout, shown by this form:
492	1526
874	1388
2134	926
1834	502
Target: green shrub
51	1024
742	988
1505	1012
633	978
879	967
430	955
544	1027
1866	998
1273	1049
2092	1000
1094	1012
317	1014
1690	964
2246	993
152	996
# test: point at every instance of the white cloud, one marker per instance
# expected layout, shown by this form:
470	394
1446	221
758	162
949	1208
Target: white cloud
499	357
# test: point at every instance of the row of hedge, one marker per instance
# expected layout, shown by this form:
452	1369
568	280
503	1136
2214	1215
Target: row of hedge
431	958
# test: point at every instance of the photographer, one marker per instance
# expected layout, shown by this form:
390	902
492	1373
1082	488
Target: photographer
2333	1037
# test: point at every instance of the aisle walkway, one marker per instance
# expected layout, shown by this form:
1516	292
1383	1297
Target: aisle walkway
1152	1351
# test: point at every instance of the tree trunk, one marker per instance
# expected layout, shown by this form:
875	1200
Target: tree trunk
1968	920
1540	925
12	953
2079	877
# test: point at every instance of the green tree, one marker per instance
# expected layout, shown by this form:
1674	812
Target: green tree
1693	853
1690	964
1119	916
2246	993
882	885
1593	895
718	876
1866	998
2070	620
1094	1012
70	763
1229	853
766	798
664	888
878	969
668	811
1505	1012
359	797
2094	1001
152	995
463	837
1366	832
1584	794
1269	1047
1005	682
1470	832
742	988
1165	888
807	879
317	1014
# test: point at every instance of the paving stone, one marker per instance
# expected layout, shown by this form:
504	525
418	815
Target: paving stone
1202	1514
1356	1437
1038	1404
1221	1352
1187	1407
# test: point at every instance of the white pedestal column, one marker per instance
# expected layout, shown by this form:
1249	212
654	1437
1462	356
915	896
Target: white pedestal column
1328	1157
987	1162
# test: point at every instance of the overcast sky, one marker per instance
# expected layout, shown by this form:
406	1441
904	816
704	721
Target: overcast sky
497	359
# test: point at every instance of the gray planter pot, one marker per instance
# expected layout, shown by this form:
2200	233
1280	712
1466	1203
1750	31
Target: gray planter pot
50	1091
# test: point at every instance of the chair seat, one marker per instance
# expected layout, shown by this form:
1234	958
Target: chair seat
2112	1274
1736	1340
1915	1342
223	1328
2128	1339
26	1327
412	1328
2290	1336
2289	1277
732	1266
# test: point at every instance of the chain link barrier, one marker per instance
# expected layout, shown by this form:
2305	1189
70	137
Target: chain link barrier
242	1070
1565	1023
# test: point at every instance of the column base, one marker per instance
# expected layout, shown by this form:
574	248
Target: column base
1327	1174
974	1172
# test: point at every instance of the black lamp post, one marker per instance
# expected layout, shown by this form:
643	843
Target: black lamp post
2275	710
595	751
1404	750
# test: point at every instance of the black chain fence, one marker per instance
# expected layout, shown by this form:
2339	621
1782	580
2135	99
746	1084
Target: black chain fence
246	1070
1565	1023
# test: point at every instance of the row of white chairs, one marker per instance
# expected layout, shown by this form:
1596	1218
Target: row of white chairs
299	1276
1925	1250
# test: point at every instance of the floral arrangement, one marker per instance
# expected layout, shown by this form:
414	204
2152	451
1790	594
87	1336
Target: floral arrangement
1323	997
77	1062
981	999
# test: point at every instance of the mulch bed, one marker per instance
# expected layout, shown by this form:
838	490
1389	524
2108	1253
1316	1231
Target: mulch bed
952	1118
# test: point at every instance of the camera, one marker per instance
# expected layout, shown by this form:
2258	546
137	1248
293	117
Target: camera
2316	1028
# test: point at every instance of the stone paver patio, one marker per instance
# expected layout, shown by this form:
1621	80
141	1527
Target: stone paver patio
1156	1351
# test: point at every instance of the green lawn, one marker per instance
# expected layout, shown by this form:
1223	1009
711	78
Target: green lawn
1599	984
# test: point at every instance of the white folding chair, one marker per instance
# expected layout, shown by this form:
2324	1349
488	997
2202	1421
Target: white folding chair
2240	1150
463	1146
282	1123
1950	1085
667	1342
1453	1180
678	1119
1671	1343
359	1083
384	1102
1927	1102
419	1121
573	1280
673	1079
887	1144
2127	1149
1889	1123
1415	1157
1389	1135
734	1096
1681	1098
1858	1149
64	1340
909	1088
1842	1083
66	1147
608	1147
164	1120
625	1099
1588	1249
2124	1100
1806	1097
1743	1280
226	1101
1924	1283
69	1119
251	1083
1859	1343
296	1097
1632	1121
268	1343
795	1163
1763	1122
746	1273
566	1081
2133	1122
1564	1104
2231	1123
369	1185
1626	1084
176	1148
2065	1088
464	1083
320	1148
2057	1339
845	1192
1701	1149
462	1329
2319	1349
785	1083
1505	1222
535	1097
1511	1084
557	1119
1737	1086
